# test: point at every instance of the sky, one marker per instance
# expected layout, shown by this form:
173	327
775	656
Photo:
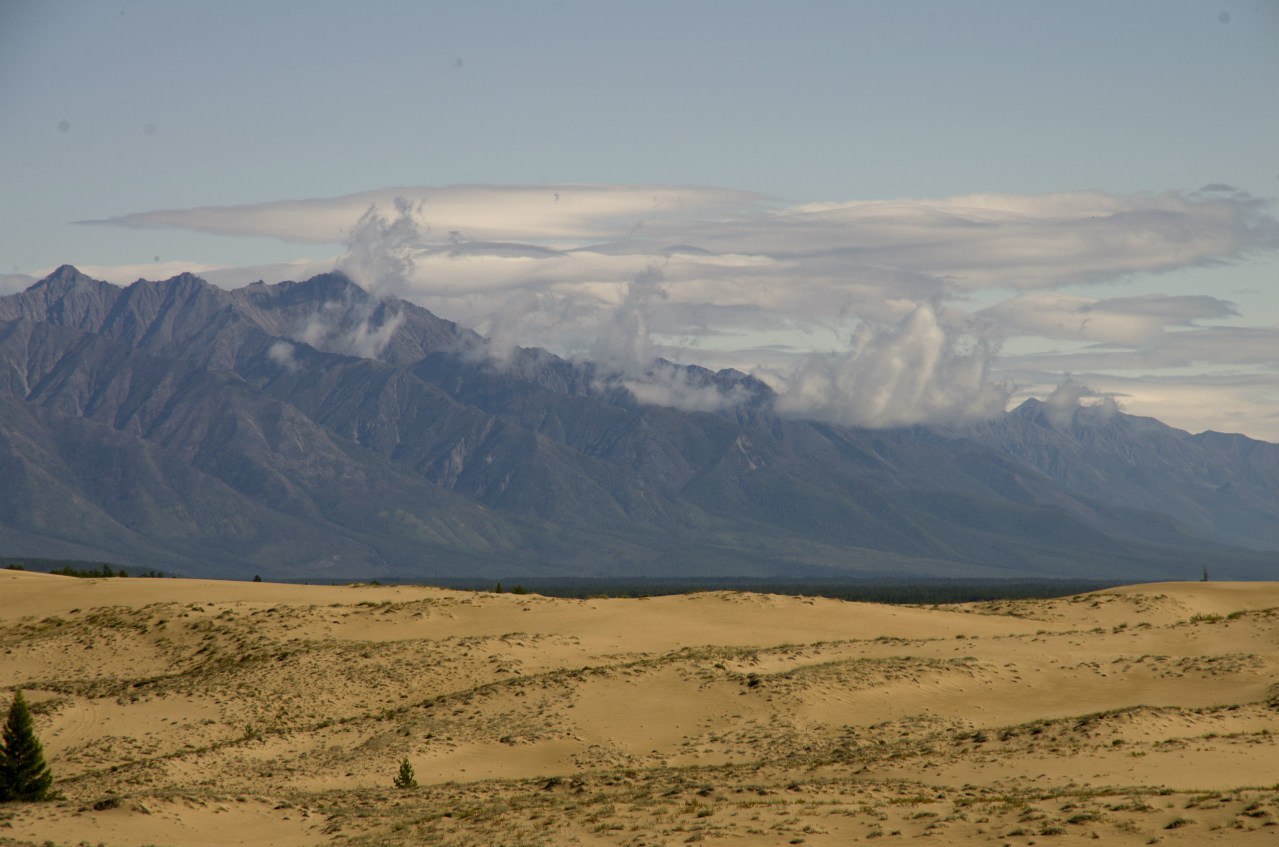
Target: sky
893	212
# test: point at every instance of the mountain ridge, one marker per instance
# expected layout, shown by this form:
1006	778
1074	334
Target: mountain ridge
425	458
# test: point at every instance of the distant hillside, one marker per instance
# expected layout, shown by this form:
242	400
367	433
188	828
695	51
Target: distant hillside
309	429
1221	487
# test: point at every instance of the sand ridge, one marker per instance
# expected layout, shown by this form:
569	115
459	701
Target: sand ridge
284	710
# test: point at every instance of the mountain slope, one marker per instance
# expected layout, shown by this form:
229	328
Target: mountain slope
309	429
1221	487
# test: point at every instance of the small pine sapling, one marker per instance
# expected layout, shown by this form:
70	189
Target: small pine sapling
405	778
24	776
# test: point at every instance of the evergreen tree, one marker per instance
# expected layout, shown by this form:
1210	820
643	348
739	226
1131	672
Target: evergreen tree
23	772
405	778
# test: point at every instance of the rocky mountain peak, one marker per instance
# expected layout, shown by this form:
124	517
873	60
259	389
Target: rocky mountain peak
313	425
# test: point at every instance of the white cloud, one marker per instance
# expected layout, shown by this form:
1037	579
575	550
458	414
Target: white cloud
281	352
360	328
487	234
622	344
747	281
551	213
1246	403
1197	347
1127	321
664	384
917	371
1065	404
379	256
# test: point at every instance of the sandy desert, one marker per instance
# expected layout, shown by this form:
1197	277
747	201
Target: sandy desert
190	712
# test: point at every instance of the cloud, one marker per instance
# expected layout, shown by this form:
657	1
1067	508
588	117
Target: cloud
1194	402
665	384
496	235
237	277
917	371
379	256
1065	405
1118	320
622	343
623	353
362	322
1202	346
350	327
281	352
630	273
563	212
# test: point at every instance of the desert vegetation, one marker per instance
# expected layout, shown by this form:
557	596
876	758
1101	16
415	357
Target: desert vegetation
193	712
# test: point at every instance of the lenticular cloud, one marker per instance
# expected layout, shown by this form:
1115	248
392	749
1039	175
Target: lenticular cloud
627	274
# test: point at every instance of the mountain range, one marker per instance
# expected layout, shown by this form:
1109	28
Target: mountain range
312	430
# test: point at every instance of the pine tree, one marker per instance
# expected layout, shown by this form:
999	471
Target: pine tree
405	778
23	772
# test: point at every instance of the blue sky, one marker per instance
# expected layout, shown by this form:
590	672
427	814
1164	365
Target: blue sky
111	110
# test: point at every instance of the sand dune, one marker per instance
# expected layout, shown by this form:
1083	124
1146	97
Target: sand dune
205	712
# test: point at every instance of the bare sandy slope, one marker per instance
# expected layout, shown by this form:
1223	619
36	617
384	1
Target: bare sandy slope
192	712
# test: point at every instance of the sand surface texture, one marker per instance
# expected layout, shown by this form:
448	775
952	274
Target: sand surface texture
189	712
